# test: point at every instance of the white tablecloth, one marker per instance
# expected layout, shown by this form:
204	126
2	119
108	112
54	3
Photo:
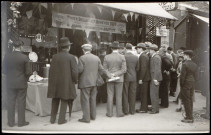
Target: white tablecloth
37	101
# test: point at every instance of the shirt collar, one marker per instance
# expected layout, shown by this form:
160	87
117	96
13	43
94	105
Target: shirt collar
87	52
141	53
115	51
154	54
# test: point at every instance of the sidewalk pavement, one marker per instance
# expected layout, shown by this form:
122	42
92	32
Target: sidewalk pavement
167	121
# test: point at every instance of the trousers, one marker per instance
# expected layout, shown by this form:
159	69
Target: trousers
129	97
88	103
187	97
154	95
20	96
63	109
164	93
116	87
144	88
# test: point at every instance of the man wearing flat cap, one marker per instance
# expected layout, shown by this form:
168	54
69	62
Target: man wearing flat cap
143	77
122	48
63	75
89	68
130	78
115	63
17	69
156	78
188	78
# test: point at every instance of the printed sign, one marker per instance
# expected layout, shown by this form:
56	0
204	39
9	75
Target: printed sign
68	21
169	5
161	31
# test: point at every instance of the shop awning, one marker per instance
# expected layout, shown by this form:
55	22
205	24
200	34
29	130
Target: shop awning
152	9
205	19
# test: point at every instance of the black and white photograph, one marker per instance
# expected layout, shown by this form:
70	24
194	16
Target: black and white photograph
108	67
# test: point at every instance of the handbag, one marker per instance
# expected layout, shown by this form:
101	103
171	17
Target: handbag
100	80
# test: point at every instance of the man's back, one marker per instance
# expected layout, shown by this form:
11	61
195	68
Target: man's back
17	70
132	67
115	63
88	70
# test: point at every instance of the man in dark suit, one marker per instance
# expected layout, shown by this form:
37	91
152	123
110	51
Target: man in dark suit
143	77
173	73
130	78
188	78
89	68
115	63
17	69
166	66
156	78
63	75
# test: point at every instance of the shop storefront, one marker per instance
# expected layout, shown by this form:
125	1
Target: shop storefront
41	25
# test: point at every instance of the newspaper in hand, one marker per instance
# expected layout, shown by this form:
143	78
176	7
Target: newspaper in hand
113	79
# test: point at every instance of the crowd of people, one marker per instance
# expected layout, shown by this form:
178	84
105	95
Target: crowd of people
156	73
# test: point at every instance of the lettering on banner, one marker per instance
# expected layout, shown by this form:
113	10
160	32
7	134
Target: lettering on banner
84	23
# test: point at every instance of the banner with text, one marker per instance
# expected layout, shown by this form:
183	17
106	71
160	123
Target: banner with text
68	21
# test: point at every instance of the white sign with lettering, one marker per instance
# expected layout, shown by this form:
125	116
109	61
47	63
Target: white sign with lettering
69	21
168	5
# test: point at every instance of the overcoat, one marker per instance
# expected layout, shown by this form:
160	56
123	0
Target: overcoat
63	75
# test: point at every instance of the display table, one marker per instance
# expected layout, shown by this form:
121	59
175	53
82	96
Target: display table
37	101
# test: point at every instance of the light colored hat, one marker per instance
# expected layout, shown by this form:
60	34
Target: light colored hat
141	45
153	47
86	46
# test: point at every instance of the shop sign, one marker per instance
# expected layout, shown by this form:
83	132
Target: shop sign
26	48
169	5
69	21
161	31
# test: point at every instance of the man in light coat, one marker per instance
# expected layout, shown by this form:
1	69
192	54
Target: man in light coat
156	77
115	63
89	68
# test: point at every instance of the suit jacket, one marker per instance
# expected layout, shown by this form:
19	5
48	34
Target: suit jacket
89	67
155	68
144	67
132	67
63	75
174	56
17	69
115	63
189	72
166	65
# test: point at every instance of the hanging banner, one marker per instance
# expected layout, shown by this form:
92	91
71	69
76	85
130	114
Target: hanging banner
131	14
72	4
29	14
45	5
136	16
100	9
113	13
125	15
140	30
68	21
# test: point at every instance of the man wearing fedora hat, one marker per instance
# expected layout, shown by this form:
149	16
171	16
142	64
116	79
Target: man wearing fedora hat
143	77
115	63
130	78
63	75
156	78
89	67
17	69
188	77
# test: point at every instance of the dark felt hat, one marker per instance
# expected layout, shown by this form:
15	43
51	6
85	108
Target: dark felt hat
64	41
115	45
140	45
188	52
129	46
18	43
